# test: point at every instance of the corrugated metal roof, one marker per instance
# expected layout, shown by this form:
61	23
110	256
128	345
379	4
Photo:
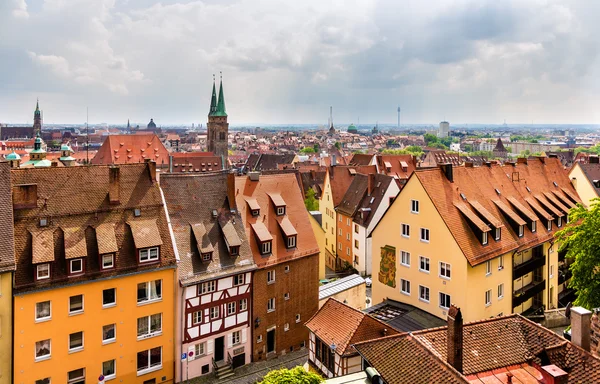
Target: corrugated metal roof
339	286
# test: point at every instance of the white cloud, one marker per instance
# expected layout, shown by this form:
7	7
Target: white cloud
58	64
20	9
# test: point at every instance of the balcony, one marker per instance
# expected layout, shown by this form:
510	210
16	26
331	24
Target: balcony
527	292
564	275
528	266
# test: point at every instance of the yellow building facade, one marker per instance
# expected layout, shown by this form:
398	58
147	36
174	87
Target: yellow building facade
329	223
320	237
418	260
109	332
582	183
5	327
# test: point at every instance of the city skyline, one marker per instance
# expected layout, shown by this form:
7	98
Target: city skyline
455	60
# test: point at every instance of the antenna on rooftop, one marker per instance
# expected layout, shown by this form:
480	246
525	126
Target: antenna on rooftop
87	135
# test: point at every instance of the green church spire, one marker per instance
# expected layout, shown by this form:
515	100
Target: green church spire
37	108
213	100
221	104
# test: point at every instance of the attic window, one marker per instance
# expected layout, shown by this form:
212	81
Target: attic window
497	191
207	256
372	200
281	211
291	242
484	238
549	225
533	226
528	190
462	196
137	212
108	261
43	222
214	213
378	184
497	234
265	248
521	230
554	182
42	271
75	267
234	251
255	212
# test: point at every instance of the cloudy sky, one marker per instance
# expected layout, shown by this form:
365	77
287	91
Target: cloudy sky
467	61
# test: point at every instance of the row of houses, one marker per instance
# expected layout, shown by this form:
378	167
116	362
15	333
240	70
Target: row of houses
106	272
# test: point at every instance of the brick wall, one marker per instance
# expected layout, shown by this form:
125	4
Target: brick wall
302	283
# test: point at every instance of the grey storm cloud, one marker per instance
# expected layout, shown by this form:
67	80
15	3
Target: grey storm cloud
287	62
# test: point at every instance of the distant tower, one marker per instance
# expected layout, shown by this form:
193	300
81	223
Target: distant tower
331	128
398	117
37	119
218	127
128	126
444	130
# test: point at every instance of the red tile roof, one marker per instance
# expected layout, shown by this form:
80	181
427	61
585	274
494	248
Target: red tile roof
128	149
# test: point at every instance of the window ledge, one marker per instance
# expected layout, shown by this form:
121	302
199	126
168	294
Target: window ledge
104	306
488	304
423	300
110	377
270	310
270	282
109	341
424	271
149	336
444	308
148	370
38	359
501	297
488	274
146	302
406	237
424	241
444	277
75	313
405	265
75	350
43	319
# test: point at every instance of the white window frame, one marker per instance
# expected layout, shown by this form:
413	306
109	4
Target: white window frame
484	238
197	317
42	357
111	339
243	305
521	231
111	257
214	312
286	296
424	235
208	287
259	339
286	269
200	349
551	271
231	307
72	271
414	204
149	292
112	375
500	263
559	222
497	234
78	311
488	268
291	241
149	333
405	284
271	305
109	305
281	211
500	291
239	279
236	338
146	255
286	327
39	319
271	276
76	379
265	247
488	297
533	226
297	318
42	267
422	290
549	225
149	369
405	256
445	270
426	261
405	230
78	348
442	297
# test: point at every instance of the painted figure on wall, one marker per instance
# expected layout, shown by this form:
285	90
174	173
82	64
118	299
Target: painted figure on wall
387	266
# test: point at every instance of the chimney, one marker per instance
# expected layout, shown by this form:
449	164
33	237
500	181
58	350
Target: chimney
384	332
113	185
554	375
593	159
151	169
254	176
231	190
447	169
580	327
333	163
468	164
370	181
454	338
522	160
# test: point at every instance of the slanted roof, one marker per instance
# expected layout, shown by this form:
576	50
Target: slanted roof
231	236
404	317
106	238
493	220
536	207
75	245
549	205
7	237
286	226
129	149
473	218
145	233
557	203
564	199
340	285
370	203
524	210
509	212
42	241
261	231
277	199
340	179
252	203
353	196
350	326
202	239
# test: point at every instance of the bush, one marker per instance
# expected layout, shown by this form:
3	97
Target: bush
295	375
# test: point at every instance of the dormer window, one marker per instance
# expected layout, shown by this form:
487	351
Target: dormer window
484	238
148	255
137	212
75	267
280	211
291	242
559	222
234	251
42	271
521	230
207	256
533	226
265	248
497	234
255	212
549	225
108	261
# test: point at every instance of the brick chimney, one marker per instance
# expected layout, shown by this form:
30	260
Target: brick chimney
454	338
580	327
554	375
114	185
151	169
447	169
370	181
231	190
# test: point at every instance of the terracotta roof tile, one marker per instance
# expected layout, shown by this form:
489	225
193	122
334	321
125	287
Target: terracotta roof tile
473	218
509	212
493	220
7	242
286	226
261	231
145	233
43	246
121	149
231	235
75	245
106	238
277	199
540	198
536	207
557	203
340	179
202	239
564	199
522	208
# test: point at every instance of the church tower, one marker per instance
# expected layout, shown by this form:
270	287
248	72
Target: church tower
218	128
37	119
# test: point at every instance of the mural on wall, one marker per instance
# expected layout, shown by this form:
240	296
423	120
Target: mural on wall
387	266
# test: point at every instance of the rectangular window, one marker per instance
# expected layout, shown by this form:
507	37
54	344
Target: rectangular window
207	256
109	333
231	308
43	381
243	304
414	206
197	317
209	286
109	369
355	243
549	225
488	268
484	238
340	218
259	339
355	228
286	269
280	211
500	291
148	326
340	232
238	279
75	304
42	350
405	230
533	226
43	311
297	318
291	242
271	304
75	341
235	338
109	297
286	327
488	297
43	271
445	270
286	296
559	222
500	263
149	360
75	266
424	264
423	293
348	251
520	231
405	286
266	247
340	246
200	349
108	261
233	251
76	376
497	233
551	271
149	291
214	312
270	277
347	236
444	300
405	258
425	235
148	255
347	221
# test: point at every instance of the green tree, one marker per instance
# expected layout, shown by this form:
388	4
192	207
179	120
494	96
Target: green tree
311	203
338	145
317	147
307	150
295	375
430	139
581	241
